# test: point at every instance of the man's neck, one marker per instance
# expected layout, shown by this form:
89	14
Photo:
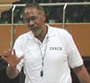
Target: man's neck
43	34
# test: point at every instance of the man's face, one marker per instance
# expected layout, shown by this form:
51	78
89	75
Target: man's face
34	20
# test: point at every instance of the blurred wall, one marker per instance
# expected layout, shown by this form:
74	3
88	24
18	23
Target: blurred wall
79	31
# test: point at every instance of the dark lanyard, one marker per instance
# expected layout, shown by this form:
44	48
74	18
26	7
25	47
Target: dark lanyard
43	56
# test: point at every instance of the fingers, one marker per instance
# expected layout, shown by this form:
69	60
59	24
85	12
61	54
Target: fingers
13	52
8	53
4	58
21	57
11	58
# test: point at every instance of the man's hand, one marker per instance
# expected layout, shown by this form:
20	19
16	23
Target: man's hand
11	58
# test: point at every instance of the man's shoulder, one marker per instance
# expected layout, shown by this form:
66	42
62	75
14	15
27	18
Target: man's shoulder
58	30
23	37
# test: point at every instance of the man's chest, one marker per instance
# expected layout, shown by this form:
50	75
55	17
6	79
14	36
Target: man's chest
52	51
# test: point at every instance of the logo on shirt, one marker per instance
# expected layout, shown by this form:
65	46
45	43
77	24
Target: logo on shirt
55	48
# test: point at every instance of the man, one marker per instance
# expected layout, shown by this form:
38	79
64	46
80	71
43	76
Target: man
46	53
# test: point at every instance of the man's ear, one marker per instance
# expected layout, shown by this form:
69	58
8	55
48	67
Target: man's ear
44	17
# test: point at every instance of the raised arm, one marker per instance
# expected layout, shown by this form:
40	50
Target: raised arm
11	58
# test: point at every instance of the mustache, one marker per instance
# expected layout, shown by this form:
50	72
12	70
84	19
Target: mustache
31	26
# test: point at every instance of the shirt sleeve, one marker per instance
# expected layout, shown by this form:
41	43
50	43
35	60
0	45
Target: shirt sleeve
74	57
19	52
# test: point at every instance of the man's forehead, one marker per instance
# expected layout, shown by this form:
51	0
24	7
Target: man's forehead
31	10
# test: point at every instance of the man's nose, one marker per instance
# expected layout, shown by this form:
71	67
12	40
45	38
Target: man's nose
31	22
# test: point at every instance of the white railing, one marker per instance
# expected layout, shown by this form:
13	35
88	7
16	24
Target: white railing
12	27
42	4
49	4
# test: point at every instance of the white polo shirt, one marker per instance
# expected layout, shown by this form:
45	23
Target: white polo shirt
58	50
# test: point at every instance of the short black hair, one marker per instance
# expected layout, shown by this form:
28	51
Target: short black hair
36	5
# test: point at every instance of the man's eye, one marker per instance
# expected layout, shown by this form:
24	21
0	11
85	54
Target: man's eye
33	17
28	20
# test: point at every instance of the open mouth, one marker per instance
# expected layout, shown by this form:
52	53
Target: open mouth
34	29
